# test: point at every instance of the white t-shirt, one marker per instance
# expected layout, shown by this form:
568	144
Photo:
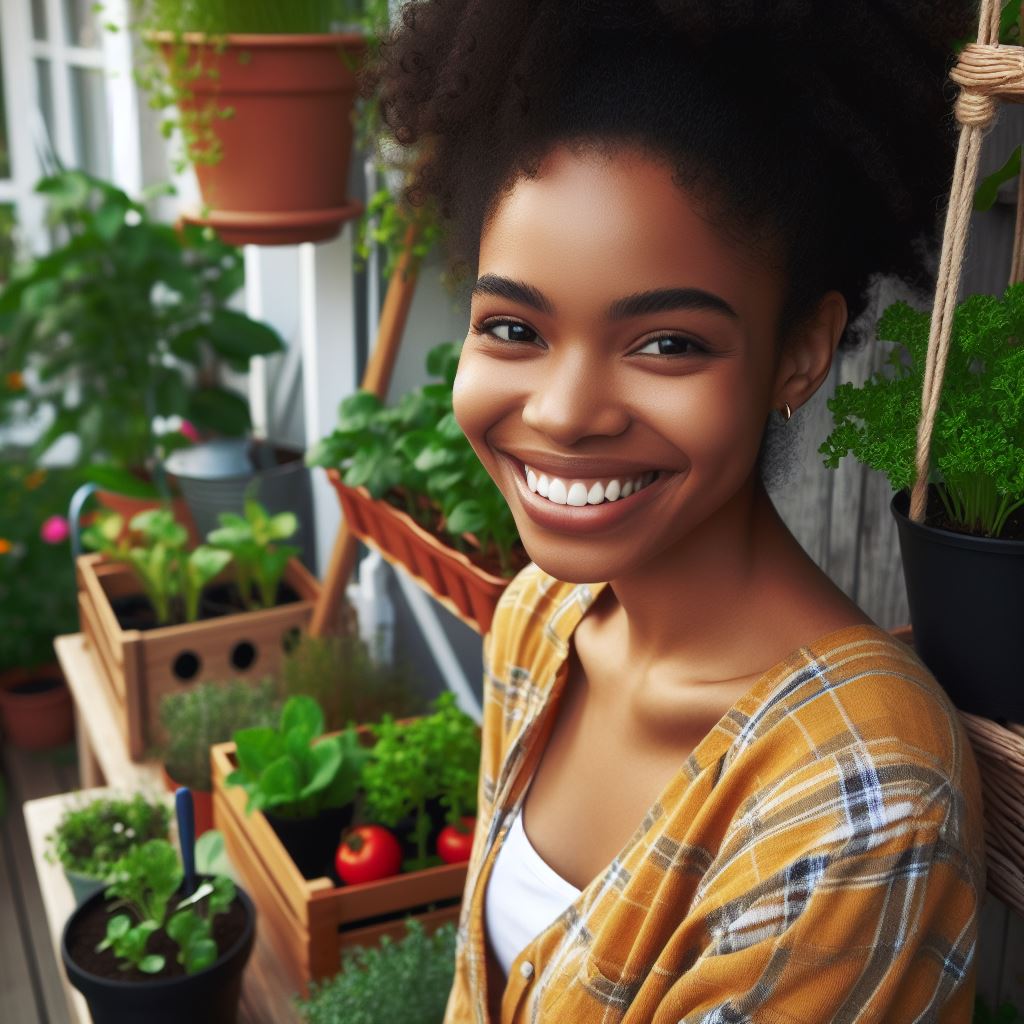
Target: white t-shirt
524	895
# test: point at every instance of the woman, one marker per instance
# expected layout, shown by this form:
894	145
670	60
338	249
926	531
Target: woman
712	789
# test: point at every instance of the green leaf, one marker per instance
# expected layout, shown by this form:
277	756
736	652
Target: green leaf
152	964
238	338
280	782
220	410
987	192
327	760
467	517
304	714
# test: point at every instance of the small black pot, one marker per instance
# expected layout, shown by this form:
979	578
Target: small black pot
312	842
966	598
209	996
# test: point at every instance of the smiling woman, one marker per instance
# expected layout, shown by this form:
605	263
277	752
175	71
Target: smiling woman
712	789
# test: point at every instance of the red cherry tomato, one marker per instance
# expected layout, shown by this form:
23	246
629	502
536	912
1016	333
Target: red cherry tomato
455	844
367	853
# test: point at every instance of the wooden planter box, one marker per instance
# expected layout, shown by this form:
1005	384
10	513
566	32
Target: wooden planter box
309	921
141	666
466	590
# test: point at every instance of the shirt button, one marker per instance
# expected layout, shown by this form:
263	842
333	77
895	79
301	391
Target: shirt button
526	969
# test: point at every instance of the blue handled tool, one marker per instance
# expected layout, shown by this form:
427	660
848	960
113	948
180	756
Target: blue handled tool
187	836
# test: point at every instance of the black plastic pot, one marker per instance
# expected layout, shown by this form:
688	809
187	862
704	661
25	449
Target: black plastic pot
966	598
312	842
209	996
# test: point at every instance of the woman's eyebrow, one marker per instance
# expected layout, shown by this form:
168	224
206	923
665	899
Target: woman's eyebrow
661	300
658	300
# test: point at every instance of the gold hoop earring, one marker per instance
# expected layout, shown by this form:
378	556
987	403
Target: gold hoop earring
786	412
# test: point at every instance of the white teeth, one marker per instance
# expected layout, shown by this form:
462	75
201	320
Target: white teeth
577	495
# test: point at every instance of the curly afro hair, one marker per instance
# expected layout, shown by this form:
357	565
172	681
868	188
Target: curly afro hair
819	134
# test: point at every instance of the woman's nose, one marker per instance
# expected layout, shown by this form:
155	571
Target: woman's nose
574	399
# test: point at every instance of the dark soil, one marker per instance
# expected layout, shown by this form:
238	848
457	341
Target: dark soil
935	516
41	684
135	611
91	929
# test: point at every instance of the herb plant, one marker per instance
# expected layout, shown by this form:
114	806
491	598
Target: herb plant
349	684
124	321
170	576
291	772
416	456
145	881
433	757
208	713
978	442
408	981
90	839
252	540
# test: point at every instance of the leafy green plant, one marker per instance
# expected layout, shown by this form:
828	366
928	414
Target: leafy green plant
169	574
291	772
124	321
91	838
407	980
415	456
433	757
350	685
251	540
37	575
145	880
978	442
201	716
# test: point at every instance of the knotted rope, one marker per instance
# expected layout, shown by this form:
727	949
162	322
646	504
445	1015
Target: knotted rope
986	73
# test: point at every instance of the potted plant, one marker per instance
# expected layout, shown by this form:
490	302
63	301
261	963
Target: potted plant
159	615
91	838
147	948
193	720
123	322
304	782
339	672
964	566
411	486
267	86
36	601
372	987
422	776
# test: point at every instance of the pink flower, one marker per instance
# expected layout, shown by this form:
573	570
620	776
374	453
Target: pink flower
189	430
55	530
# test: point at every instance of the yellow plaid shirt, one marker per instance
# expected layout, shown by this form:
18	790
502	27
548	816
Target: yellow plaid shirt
818	857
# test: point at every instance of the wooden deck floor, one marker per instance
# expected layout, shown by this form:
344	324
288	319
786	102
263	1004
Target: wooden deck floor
30	983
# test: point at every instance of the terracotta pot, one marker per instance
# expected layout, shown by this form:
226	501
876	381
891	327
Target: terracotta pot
285	149
202	803
127	506
466	590
36	707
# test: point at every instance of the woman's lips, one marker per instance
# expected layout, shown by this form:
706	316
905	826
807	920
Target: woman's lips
581	519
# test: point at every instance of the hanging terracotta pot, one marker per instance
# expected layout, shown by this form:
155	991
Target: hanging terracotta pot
285	144
36	708
127	506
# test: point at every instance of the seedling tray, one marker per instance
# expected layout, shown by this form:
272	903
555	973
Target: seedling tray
310	921
140	666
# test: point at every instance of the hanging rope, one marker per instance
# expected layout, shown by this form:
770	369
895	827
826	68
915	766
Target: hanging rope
986	72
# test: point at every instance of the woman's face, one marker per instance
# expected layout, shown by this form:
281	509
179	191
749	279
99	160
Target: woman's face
613	334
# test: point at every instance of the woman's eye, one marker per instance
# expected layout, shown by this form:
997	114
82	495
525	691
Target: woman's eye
509	330
670	345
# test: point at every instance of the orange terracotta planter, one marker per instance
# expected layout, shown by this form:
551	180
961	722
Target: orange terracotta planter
286	145
466	590
36	716
127	507
202	803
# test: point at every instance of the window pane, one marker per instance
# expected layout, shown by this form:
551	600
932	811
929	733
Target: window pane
39	19
83	25
92	134
7	240
45	89
5	160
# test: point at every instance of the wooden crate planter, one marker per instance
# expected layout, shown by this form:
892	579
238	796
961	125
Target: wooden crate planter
309	921
466	590
141	666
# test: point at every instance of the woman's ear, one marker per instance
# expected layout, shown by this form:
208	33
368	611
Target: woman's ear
808	351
